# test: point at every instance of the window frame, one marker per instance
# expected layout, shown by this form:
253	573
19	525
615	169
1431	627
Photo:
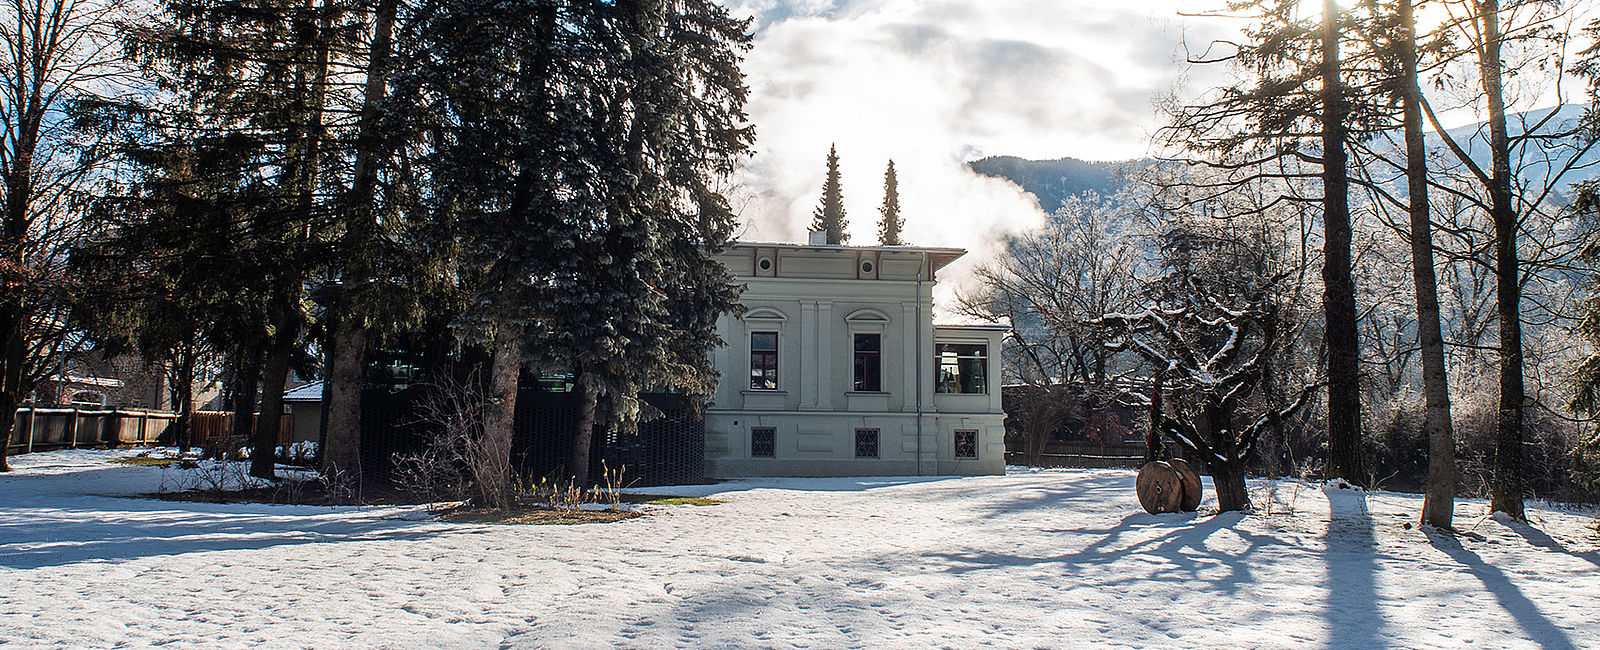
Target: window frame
860	358
763	377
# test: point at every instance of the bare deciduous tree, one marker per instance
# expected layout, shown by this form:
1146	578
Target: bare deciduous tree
59	55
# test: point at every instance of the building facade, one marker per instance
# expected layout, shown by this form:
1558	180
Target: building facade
836	369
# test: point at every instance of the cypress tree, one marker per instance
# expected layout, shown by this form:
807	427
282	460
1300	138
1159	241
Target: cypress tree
829	217
890	223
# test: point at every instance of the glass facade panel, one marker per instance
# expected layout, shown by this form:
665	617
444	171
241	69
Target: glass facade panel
961	367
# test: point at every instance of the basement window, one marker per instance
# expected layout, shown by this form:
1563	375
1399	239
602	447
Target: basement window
866	443
966	444
763	442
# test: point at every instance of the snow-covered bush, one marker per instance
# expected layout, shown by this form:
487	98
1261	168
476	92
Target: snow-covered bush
302	453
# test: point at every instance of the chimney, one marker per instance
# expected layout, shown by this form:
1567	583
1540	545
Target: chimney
819	238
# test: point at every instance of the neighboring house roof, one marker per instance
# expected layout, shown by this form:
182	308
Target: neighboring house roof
311	392
92	381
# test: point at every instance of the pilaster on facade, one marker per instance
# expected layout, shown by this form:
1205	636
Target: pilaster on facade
824	358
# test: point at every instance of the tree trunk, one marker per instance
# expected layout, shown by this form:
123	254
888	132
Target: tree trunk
1233	495
264	445
11	379
348	352
1438	504
185	405
244	397
1227	458
505	373
1339	291
342	451
583	430
1505	493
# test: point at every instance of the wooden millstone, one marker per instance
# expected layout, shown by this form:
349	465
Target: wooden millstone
1160	488
1192	489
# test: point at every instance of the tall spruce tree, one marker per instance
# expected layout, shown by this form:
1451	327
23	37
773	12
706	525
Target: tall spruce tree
258	75
502	94
1291	121
358	246
829	217
890	223
578	144
1338	280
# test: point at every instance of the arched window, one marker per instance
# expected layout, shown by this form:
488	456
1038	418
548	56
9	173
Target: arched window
764	314
866	337
867	315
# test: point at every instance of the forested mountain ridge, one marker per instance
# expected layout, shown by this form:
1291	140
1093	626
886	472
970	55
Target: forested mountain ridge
1053	181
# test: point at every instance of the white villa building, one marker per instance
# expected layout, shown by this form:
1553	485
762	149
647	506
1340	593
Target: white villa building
836	369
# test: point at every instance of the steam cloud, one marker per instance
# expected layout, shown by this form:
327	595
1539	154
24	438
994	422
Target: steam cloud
934	84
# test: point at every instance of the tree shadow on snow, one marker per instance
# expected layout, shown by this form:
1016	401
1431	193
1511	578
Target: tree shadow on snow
1527	615
801	484
1351	553
35	538
1180	553
1538	537
1093	490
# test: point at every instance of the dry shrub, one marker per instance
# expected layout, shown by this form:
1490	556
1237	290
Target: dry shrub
459	461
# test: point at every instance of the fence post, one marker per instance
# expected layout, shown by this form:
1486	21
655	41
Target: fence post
72	440
144	420
33	422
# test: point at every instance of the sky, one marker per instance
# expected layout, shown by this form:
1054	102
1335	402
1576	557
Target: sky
933	84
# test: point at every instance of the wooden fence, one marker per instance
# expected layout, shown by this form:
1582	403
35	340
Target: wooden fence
1080	454
44	429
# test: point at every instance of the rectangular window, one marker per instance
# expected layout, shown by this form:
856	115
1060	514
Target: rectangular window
866	443
962	367
966	443
763	442
764	360
869	362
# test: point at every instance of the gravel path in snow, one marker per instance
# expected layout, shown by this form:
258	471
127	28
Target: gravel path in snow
1031	559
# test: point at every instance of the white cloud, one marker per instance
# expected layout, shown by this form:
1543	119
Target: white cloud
934	84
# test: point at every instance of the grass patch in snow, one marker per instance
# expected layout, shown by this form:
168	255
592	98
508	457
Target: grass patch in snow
537	516
670	500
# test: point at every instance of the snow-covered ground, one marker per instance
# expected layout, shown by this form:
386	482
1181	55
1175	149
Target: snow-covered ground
1031	559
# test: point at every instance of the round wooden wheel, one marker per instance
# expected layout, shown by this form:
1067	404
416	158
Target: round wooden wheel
1192	489
1160	488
